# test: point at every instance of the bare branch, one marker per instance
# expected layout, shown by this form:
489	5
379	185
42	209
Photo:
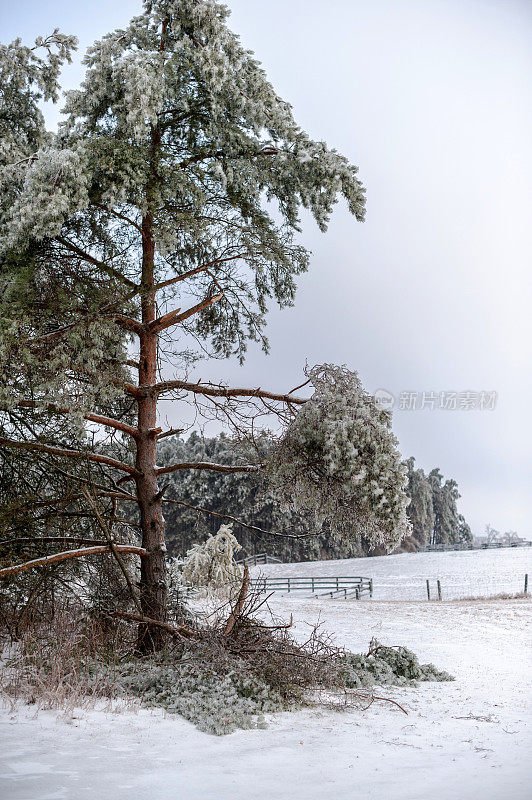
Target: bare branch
96	261
216	390
81	553
98	418
36	540
128	323
254	528
208	465
60	451
174	317
170	432
118	215
196	271
165	321
180	631
237	610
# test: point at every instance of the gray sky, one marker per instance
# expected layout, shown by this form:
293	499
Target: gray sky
432	100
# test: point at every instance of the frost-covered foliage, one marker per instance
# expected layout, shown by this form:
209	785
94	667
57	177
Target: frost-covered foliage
433	508
387	665
28	75
211	564
215	701
248	497
339	459
173	95
176	120
42	183
219	694
178	594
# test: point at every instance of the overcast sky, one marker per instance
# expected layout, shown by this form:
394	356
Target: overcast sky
432	100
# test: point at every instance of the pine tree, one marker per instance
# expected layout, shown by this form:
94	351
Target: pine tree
446	520
163	213
420	509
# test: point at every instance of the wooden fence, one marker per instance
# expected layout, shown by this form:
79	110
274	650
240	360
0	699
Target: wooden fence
439	548
259	558
347	588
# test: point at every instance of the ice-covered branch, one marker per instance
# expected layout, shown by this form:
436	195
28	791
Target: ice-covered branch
216	390
61	451
209	466
88	415
68	554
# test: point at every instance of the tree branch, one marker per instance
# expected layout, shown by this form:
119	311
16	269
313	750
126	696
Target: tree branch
181	631
196	271
174	317
36	540
57	557
215	390
118	215
208	465
170	432
237	610
96	261
254	528
128	323
108	421
59	451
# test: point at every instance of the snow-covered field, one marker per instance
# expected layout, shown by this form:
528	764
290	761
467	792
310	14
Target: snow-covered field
460	740
468	573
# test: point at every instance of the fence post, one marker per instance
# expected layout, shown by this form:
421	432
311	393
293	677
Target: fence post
312	585
439	589
428	589
526	583
337	587
289	584
371	587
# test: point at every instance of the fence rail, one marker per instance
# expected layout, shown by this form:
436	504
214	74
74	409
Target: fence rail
259	558
441	548
350	588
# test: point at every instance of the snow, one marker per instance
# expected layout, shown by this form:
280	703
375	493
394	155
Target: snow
462	573
460	740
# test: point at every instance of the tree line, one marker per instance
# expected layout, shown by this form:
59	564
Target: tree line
198	504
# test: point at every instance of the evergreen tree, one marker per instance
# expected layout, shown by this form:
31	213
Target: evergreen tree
261	522
444	498
249	499
164	212
420	509
465	535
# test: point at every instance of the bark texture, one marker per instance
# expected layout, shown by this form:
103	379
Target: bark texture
153	569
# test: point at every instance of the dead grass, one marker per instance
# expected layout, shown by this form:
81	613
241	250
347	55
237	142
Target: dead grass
487	598
64	663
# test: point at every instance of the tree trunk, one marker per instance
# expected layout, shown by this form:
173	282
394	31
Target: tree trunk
153	568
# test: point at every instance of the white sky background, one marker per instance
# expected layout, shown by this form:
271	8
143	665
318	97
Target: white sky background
432	100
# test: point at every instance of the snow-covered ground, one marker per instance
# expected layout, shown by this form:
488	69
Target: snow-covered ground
460	740
462	573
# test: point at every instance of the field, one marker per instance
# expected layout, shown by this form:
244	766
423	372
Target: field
460	740
469	573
